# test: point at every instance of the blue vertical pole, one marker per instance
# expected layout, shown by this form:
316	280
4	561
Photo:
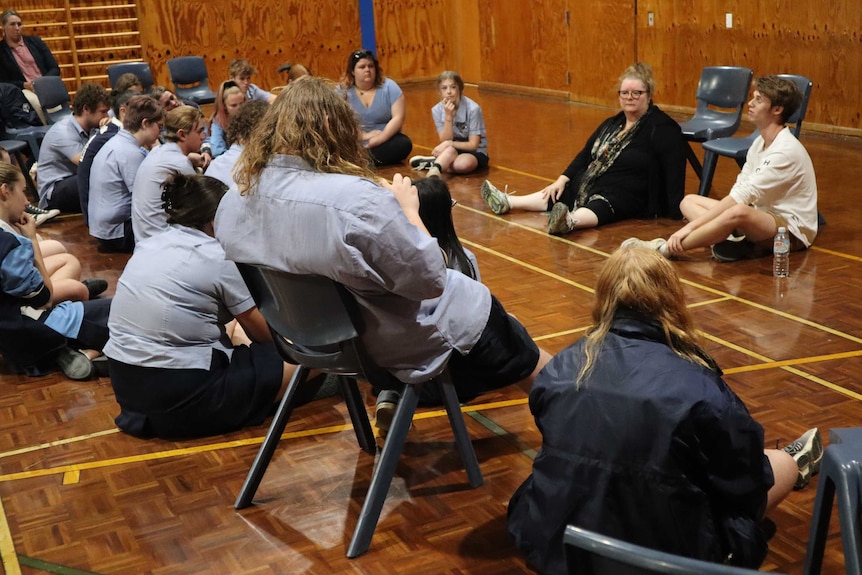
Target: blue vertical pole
366	24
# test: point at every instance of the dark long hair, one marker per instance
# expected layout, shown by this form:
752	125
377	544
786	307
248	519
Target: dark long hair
435	209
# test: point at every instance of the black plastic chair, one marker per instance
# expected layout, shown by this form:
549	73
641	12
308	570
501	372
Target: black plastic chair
54	97
589	553
841	479
724	87
737	148
315	325
189	75
16	151
139	69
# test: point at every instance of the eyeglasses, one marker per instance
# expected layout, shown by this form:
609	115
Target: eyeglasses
633	93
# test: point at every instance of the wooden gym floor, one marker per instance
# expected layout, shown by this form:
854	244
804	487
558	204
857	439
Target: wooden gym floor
79	497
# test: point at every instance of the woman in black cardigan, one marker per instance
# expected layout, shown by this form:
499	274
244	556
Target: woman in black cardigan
633	166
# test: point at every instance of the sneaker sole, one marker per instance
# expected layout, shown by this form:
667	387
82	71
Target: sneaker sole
491	196
557	224
384	414
75	365
420	163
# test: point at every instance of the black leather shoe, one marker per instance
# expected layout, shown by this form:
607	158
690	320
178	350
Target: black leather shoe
95	286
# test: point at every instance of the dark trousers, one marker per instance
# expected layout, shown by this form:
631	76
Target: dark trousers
392	151
65	196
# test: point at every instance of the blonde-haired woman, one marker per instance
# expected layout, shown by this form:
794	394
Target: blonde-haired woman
642	440
632	166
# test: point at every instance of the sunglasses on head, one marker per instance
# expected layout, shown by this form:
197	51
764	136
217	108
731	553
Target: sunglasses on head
360	54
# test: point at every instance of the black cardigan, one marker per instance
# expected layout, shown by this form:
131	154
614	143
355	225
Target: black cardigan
11	73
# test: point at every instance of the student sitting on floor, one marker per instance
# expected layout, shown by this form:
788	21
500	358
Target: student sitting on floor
38	331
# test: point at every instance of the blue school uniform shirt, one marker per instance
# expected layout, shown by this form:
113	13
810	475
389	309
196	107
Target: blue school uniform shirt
468	121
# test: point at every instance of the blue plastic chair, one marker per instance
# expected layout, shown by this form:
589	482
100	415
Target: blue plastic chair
189	75
841	478
54	97
589	553
724	87
139	69
737	148
315	326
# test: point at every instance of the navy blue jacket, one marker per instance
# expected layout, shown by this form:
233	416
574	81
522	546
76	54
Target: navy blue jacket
11	73
652	449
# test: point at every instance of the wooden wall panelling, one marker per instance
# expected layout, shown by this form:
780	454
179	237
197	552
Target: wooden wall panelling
468	59
602	46
415	38
819	40
524	44
265	32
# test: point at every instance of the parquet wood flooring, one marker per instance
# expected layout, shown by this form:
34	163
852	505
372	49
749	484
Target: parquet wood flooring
78	494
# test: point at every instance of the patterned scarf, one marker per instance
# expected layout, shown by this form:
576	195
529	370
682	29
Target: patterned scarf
606	149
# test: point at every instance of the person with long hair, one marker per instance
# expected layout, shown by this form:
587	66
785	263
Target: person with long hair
642	440
228	100
379	103
435	209
241	125
463	146
632	166
40	330
175	368
309	203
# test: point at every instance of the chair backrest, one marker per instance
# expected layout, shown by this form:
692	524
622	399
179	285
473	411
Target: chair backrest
139	69
53	96
724	86
589	553
188	70
804	84
313	319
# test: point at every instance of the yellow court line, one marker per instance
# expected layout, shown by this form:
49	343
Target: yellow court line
530	267
709	301
72	469
834	253
7	546
58	442
827	384
792	362
561	333
733	346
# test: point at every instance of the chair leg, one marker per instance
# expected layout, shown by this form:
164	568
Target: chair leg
819	524
383	473
694	161
270	442
459	428
848	513
710	159
358	415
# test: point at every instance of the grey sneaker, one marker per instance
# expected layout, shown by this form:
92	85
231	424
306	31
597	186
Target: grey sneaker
41	216
420	163
558	221
656	244
807	451
433	172
75	364
496	200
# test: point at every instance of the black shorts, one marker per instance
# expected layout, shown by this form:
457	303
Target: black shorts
179	403
505	354
480	157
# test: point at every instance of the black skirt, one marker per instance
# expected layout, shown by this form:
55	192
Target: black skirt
181	403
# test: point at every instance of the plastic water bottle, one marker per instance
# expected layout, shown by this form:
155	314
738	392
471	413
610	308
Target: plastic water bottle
781	254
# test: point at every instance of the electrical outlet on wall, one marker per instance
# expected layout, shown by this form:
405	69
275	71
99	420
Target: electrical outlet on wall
728	20
650	19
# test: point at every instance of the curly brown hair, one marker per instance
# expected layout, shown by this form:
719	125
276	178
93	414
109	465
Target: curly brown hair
310	121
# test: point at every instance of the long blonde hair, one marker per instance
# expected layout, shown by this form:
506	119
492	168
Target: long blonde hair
309	120
643	281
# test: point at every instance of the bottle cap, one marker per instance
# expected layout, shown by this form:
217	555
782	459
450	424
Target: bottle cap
782	230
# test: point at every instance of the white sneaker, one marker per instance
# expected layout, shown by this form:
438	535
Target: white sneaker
41	216
433	172
656	244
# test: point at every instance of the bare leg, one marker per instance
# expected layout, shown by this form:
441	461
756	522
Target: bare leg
785	471
526	384
755	224
535	202
446	159
51	248
693	206
583	218
464	164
